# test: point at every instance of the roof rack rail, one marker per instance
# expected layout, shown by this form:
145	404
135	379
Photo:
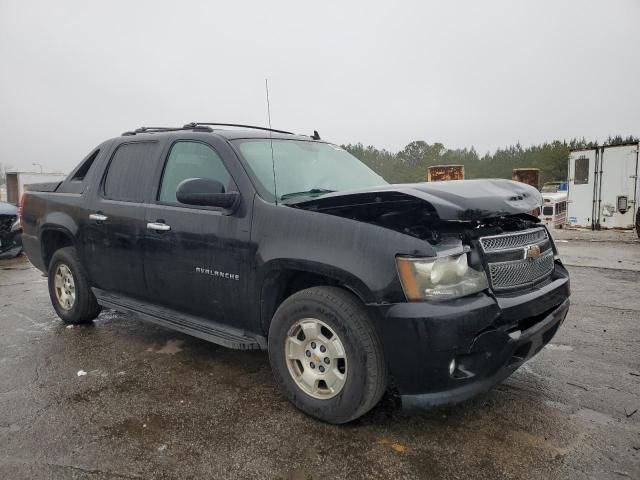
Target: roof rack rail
166	129
206	127
197	124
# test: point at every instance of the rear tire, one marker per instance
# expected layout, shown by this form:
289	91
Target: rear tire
69	288
323	334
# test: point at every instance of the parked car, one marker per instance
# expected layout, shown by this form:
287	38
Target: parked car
10	230
257	239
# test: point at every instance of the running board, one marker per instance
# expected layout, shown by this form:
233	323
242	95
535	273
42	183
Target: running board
191	325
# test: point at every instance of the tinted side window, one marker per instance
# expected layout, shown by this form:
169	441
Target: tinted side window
581	171
191	160
82	171
130	171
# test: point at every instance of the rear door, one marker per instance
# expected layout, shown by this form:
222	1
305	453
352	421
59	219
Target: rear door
583	166
116	224
618	179
198	259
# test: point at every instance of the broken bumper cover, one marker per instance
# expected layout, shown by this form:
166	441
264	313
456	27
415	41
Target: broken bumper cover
507	355
487	337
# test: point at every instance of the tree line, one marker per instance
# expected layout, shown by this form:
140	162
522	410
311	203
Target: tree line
410	164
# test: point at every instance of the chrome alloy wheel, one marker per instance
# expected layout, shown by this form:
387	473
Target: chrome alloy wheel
65	287
316	358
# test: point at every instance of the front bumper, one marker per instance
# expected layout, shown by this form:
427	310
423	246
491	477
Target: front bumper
488	336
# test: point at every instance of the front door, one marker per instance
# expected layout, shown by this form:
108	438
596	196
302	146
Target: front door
197	258
115	225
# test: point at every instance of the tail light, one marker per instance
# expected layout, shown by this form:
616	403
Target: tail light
21	209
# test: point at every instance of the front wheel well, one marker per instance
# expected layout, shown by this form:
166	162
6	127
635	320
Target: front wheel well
53	240
287	282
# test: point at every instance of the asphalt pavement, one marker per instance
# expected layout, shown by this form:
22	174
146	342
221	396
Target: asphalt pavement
125	399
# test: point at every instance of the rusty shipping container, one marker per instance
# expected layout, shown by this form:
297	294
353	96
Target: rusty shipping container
439	173
530	176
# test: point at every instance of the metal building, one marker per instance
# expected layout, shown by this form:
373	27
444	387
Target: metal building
18	182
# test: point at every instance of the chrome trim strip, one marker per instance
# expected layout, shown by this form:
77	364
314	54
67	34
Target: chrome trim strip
514	234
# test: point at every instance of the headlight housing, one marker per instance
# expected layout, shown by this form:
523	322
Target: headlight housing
439	278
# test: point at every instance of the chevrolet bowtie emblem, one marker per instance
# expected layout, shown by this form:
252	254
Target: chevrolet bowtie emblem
531	252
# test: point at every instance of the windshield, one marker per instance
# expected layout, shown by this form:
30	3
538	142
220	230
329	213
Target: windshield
305	169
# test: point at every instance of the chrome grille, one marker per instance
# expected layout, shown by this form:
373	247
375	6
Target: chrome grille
506	258
520	273
513	240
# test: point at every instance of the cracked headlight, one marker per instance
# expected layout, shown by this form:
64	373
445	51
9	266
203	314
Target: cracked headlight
439	278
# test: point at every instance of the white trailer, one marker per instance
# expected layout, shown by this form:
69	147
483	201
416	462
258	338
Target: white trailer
603	187
17	183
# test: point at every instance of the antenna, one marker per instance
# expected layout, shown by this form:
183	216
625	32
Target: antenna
273	163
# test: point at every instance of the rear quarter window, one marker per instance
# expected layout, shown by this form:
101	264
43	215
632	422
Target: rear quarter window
76	182
82	171
130	172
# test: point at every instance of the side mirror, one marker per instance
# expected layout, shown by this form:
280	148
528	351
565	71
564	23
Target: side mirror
206	193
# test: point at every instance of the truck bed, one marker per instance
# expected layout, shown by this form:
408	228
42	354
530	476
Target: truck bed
44	187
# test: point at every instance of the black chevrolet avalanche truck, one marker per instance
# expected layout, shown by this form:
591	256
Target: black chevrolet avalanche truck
262	239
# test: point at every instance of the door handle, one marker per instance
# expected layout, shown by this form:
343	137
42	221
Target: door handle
98	217
158	227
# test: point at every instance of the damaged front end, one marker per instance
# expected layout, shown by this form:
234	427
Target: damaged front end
449	347
464	222
464	209
447	352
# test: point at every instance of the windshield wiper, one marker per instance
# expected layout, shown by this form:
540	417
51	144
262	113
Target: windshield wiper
313	191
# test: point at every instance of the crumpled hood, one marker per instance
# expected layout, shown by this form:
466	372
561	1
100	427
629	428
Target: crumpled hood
464	200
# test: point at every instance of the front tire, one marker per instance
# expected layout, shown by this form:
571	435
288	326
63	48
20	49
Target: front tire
69	288
326	355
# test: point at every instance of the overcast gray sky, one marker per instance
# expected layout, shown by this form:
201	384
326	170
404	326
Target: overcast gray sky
488	74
